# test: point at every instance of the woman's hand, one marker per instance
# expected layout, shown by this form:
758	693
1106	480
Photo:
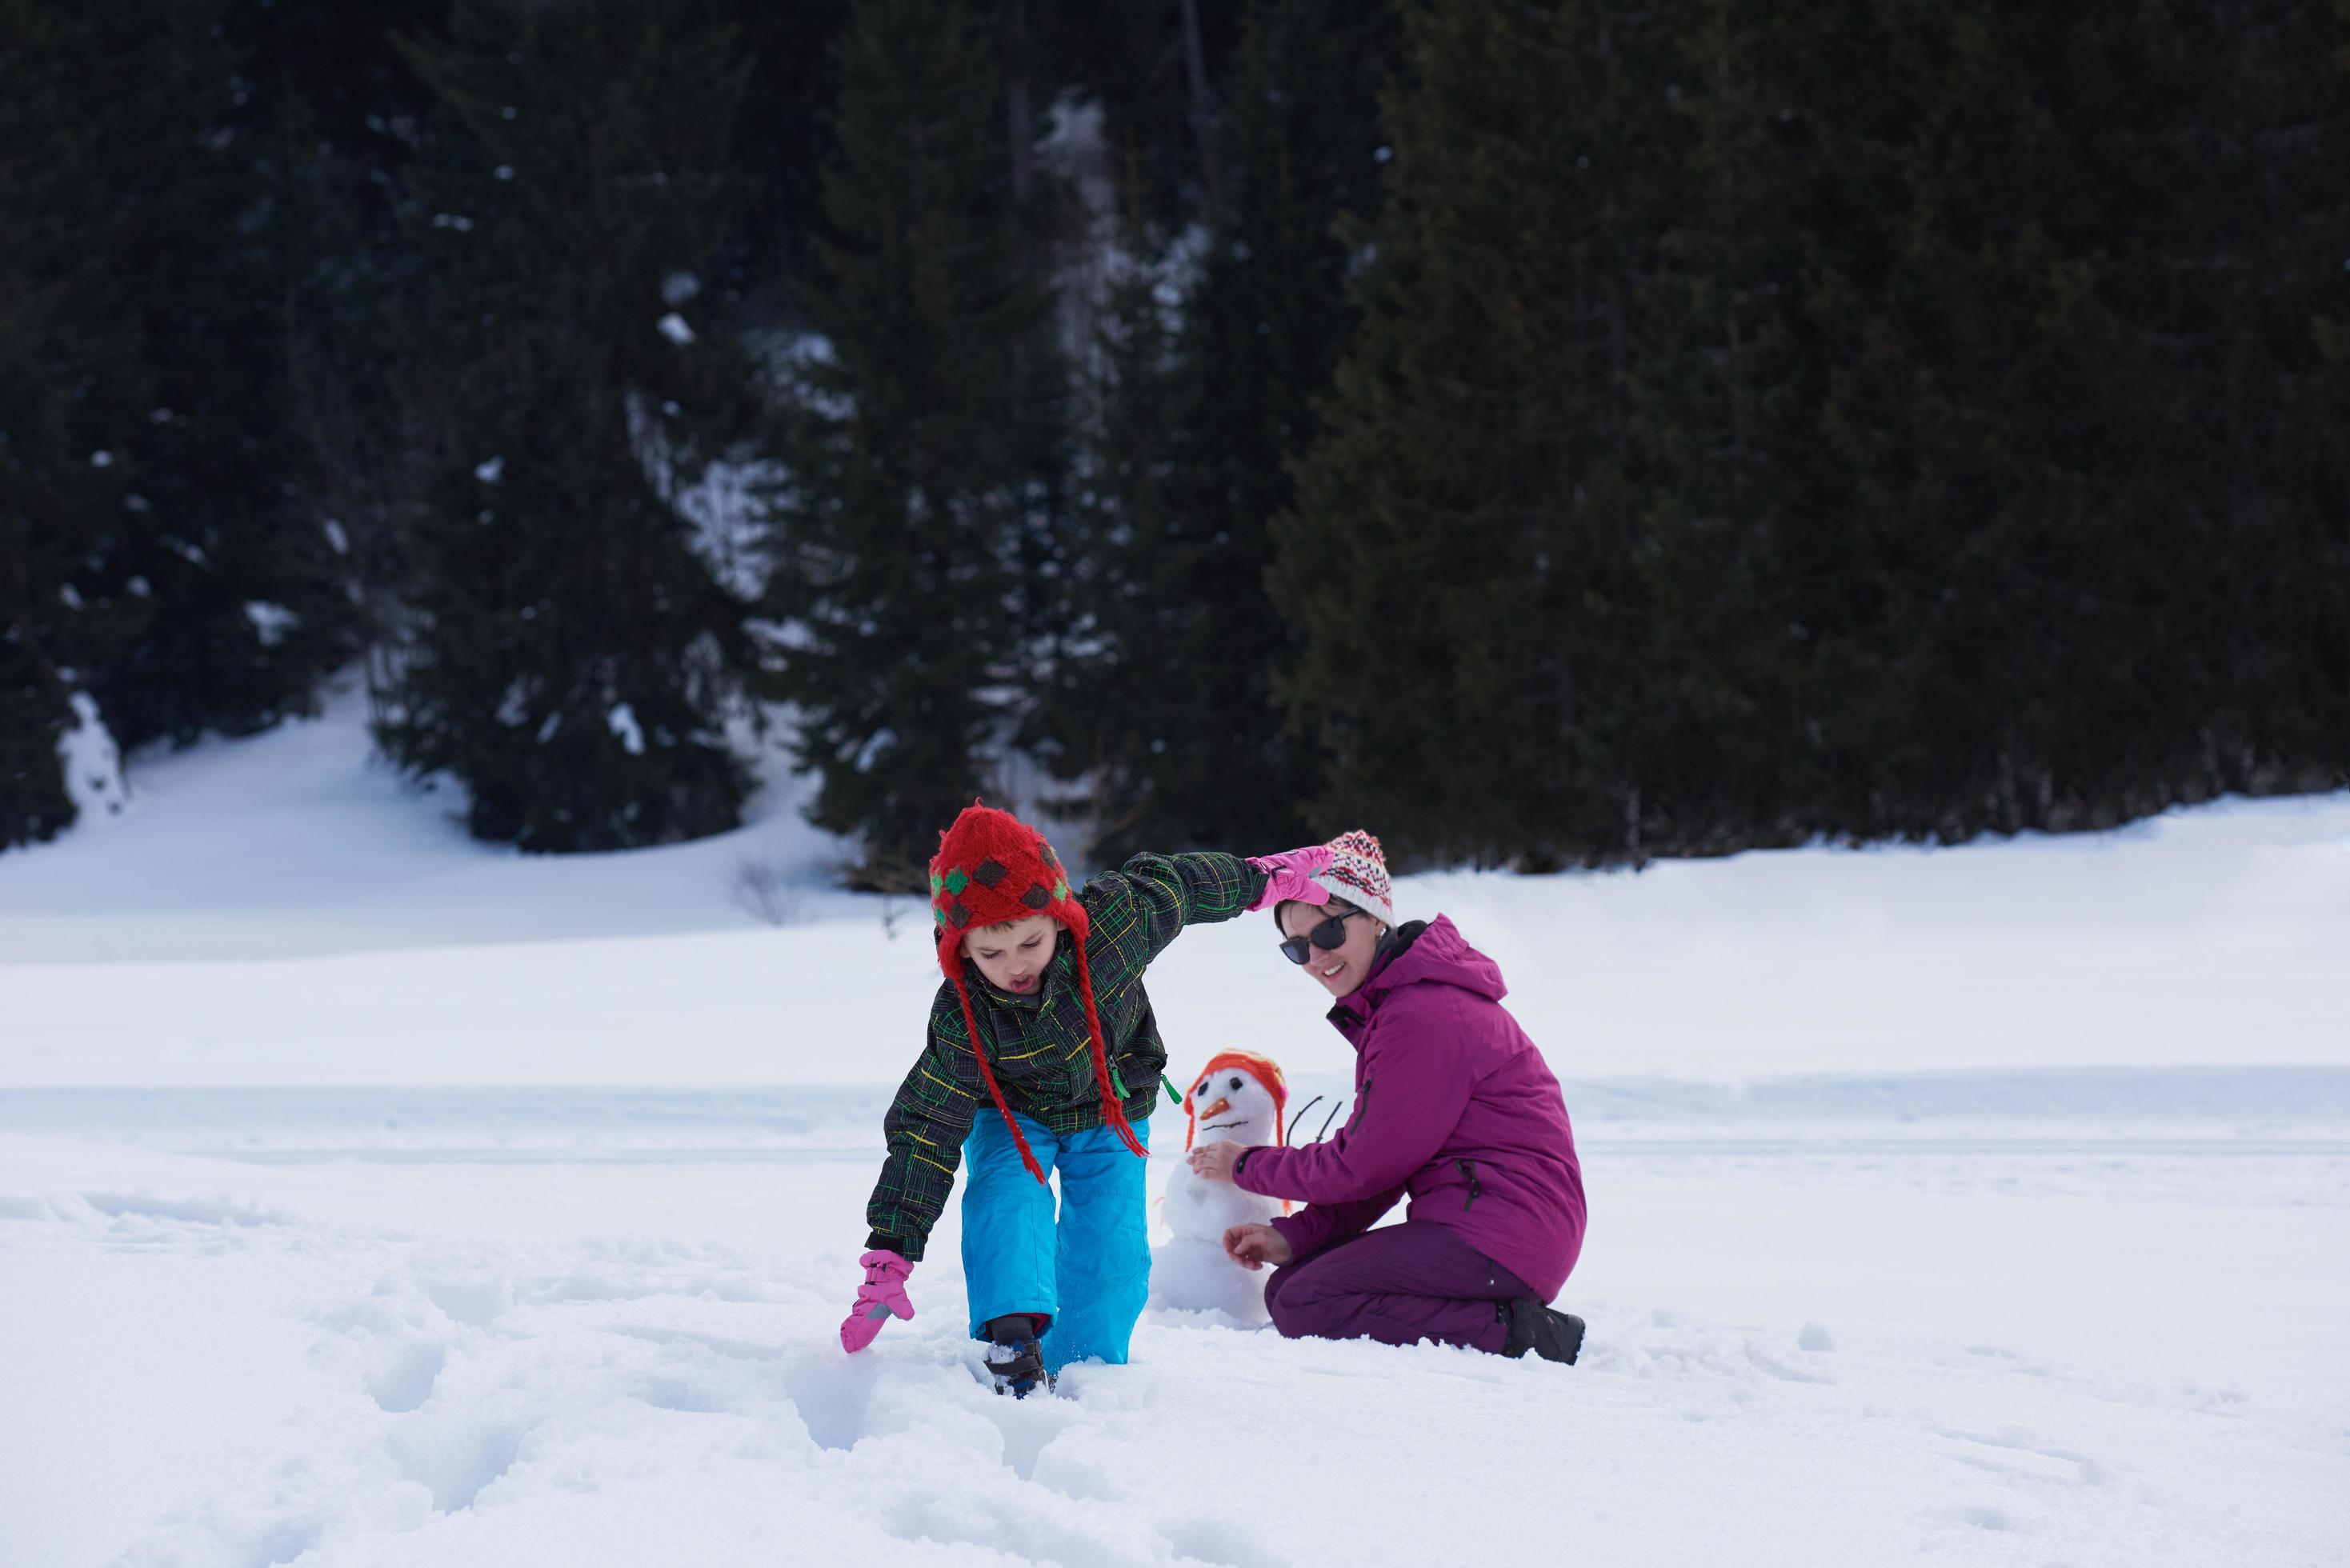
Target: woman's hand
1215	1161
1255	1246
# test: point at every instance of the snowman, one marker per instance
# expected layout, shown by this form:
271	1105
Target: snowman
1236	1098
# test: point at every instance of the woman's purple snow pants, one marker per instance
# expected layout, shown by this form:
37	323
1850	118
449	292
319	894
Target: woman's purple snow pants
1397	1284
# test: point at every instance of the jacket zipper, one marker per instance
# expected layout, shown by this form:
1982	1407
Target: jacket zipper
1469	1169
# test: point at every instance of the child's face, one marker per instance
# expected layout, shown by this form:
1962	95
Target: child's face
1013	958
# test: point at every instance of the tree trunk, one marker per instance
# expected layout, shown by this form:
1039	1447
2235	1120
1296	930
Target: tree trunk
1019	114
1195	68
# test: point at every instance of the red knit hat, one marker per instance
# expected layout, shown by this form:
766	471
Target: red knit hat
992	868
1264	1069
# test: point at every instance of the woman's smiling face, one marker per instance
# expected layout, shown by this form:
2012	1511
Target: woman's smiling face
1012	957
1343	967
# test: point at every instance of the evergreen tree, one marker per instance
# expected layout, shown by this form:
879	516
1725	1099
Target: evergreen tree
2261	206
1170	710
356	464
148	560
1934	175
2039	548
70	384
926	452
1711	756
1097	719
1154	71
1900	421
1459	554
781	139
243	618
342	120
574	662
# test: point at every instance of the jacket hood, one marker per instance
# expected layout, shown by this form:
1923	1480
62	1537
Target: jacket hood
1437	954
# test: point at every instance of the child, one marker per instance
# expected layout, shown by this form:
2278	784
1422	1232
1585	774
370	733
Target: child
1054	1032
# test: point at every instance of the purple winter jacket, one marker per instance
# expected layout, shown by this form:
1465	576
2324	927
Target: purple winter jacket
1454	1107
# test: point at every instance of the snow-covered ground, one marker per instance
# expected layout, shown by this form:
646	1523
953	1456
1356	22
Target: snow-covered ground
370	1196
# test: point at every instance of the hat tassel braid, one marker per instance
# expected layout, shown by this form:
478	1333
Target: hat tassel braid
1112	1111
1028	1158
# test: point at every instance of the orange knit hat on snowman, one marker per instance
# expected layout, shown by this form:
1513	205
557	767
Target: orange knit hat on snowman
992	868
1264	1069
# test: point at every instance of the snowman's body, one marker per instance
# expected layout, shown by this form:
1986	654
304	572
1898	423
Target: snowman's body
1228	1104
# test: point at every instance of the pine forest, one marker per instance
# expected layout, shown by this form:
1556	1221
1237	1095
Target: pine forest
1558	435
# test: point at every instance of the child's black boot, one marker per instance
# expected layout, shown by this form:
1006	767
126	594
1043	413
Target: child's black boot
1015	1357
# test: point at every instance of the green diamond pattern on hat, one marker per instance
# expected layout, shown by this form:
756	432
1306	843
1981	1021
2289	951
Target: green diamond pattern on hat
956	881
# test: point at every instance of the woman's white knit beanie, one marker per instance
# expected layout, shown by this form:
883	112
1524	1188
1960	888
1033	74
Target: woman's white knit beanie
1358	874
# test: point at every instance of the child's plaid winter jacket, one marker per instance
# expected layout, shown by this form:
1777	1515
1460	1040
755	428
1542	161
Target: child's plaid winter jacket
1038	1046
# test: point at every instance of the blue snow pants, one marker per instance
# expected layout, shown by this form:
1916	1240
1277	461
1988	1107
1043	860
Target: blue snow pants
1088	1268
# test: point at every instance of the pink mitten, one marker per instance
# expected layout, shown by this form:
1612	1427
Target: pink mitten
1289	876
882	1294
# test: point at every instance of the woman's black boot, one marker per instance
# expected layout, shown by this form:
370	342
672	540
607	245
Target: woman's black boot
1553	1335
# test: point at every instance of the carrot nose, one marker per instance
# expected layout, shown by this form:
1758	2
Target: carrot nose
1212	1112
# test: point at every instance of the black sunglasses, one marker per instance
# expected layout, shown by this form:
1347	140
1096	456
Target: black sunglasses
1325	936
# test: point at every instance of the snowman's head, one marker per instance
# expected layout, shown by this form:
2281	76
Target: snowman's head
1237	1098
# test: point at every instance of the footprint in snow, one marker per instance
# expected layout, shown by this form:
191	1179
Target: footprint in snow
1012	1526
2068	1465
456	1458
832	1393
1218	1542
1787	1372
476	1301
404	1373
1029	1426
1064	1468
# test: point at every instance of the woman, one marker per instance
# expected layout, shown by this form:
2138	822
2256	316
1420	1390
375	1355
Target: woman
1453	1107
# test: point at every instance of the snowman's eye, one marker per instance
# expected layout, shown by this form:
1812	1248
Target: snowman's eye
1236	1082
1202	1090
